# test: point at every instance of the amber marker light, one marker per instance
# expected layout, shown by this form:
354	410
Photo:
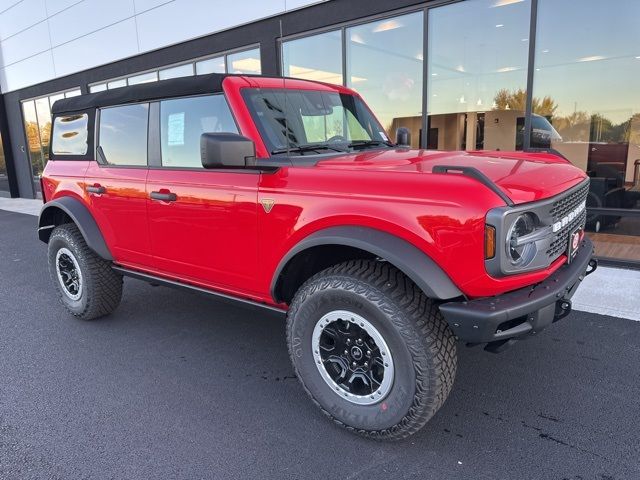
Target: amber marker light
489	242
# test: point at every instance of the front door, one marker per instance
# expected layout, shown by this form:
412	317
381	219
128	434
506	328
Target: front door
202	223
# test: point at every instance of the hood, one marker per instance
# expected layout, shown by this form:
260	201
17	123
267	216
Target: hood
523	177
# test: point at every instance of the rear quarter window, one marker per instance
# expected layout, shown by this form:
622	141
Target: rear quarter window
70	135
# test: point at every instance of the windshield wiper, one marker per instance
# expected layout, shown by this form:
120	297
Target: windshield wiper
369	143
318	147
306	148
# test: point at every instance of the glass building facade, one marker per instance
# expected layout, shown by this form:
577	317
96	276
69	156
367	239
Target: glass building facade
532	75
535	75
246	61
37	112
37	128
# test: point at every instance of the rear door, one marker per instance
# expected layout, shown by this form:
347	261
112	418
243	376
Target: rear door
116	182
202	222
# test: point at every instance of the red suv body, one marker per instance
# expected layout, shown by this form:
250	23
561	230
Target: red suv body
288	179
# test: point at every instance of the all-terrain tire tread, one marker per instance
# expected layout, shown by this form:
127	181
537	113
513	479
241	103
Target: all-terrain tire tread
104	285
416	317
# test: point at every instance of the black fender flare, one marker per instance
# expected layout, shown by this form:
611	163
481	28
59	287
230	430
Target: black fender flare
83	219
409	259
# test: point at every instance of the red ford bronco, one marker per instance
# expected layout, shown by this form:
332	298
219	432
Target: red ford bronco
288	194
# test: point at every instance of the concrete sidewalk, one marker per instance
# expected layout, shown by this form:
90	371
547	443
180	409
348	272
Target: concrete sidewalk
21	205
609	291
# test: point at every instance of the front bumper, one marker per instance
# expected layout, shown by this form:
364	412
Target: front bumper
500	320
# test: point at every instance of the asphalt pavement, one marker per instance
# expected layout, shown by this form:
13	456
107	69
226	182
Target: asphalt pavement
180	385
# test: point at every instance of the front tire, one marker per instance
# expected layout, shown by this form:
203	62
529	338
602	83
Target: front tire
86	284
372	351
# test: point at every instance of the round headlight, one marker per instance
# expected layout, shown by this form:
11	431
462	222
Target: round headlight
522	254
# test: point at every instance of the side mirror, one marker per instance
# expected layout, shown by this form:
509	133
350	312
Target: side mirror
226	150
403	137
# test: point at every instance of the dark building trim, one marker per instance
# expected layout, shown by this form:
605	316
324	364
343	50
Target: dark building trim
533	25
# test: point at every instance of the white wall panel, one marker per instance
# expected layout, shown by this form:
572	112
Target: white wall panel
184	19
25	44
21	16
4	4
36	69
104	46
55	6
144	5
87	17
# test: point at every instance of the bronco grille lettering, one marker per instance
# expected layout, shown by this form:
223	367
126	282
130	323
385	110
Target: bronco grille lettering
567	219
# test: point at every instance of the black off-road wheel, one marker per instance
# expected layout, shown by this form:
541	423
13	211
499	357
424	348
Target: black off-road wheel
372	351
86	284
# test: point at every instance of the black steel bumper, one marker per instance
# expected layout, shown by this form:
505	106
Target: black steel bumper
500	320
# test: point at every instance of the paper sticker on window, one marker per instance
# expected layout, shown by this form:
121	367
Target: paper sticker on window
384	136
209	124
175	130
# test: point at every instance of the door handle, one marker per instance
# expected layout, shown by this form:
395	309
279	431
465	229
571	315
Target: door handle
96	188
164	196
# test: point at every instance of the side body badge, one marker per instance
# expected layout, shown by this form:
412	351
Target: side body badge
267	204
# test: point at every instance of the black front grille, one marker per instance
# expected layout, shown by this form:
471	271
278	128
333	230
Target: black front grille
559	210
568	203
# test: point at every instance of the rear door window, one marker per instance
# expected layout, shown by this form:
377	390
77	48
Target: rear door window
70	134
123	135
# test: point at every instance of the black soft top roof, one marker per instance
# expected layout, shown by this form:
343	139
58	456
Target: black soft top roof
175	87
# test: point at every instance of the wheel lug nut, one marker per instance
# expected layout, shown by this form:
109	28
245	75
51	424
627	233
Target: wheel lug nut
359	341
366	364
354	365
368	353
346	352
348	341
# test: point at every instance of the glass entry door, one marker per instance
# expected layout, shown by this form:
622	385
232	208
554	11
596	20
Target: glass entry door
36	115
4	181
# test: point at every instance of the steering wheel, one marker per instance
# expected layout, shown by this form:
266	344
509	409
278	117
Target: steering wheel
336	139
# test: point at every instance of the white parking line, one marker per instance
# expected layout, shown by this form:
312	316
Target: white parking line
609	291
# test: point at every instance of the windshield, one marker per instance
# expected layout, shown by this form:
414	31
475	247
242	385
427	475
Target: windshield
307	122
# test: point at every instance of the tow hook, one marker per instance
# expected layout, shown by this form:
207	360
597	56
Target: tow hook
563	308
593	266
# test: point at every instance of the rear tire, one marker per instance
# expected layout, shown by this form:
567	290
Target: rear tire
86	284
371	304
